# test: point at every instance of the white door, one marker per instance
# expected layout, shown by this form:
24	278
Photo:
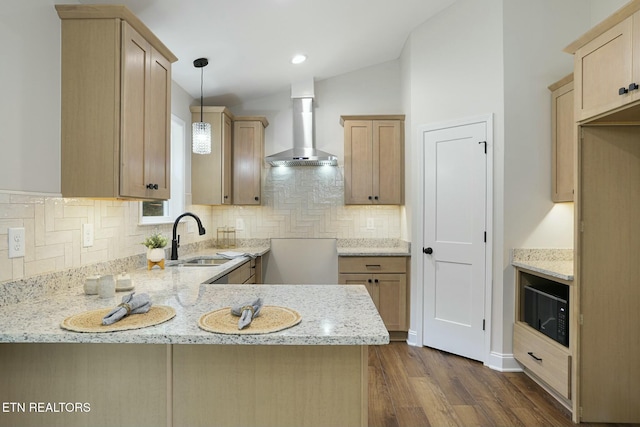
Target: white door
454	241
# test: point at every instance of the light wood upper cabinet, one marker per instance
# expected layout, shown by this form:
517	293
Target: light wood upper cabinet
373	160
211	173
248	143
116	105
563	139
607	64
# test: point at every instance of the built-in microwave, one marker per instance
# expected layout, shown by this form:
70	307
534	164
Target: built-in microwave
547	310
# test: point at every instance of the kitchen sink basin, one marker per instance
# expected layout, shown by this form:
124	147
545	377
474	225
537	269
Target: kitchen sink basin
200	262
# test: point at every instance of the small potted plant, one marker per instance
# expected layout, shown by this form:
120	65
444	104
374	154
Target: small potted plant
155	247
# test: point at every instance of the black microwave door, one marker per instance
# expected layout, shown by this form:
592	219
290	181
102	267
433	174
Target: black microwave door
548	316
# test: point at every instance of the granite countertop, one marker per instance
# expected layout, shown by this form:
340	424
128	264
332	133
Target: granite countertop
552	262
370	247
331	314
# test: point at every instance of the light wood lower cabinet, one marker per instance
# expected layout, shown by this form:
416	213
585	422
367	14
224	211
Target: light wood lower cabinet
248	273
153	385
114	384
386	281
248	385
545	360
549	361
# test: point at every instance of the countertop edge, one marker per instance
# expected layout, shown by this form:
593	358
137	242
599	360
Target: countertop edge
539	269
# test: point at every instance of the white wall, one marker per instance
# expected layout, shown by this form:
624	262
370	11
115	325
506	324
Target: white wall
456	71
600	9
499	57
372	90
30	101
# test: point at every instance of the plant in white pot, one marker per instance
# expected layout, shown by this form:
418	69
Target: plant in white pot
155	249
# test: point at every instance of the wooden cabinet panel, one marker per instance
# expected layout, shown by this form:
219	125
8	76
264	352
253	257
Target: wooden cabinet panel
608	271
365	264
602	67
562	139
248	142
549	361
116	105
388	160
374	160
386	281
392	300
607	66
358	162
119	384
240	274
211	173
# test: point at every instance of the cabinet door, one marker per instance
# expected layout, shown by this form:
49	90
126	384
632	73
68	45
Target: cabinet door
227	129
145	148
602	67
211	173
158	127
388	161
563	137
136	76
392	300
362	279
358	162
248	138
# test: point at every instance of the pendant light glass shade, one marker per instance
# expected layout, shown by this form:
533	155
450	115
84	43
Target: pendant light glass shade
201	134
201	131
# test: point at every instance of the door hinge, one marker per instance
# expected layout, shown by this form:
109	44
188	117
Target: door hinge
483	324
485	146
485	237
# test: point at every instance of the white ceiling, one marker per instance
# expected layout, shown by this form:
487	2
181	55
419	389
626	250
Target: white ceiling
249	43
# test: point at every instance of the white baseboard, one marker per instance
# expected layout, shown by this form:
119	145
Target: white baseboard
412	338
503	362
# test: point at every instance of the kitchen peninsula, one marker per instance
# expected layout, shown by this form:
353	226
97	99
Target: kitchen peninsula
174	373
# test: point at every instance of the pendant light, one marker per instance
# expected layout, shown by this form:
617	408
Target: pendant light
201	131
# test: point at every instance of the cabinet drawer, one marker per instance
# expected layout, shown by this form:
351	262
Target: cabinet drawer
391	264
554	368
240	274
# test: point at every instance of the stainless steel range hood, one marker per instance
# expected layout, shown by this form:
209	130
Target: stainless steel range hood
304	152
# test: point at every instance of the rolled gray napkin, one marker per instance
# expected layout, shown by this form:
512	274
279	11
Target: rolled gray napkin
131	304
247	312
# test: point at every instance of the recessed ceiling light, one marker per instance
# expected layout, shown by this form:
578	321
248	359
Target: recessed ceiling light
298	59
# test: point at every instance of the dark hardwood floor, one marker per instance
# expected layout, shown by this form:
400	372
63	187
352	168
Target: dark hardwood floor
413	386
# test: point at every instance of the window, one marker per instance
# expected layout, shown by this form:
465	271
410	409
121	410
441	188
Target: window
160	212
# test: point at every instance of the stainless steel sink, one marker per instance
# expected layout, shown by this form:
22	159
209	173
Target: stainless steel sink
200	262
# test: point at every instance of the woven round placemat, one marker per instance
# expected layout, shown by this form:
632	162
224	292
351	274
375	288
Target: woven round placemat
271	319
91	321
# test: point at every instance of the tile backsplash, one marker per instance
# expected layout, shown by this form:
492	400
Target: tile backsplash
53	228
308	202
296	202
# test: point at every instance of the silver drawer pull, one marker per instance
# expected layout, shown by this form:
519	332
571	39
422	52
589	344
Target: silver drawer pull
534	356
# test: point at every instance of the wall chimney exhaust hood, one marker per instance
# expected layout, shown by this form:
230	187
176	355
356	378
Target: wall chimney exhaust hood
304	152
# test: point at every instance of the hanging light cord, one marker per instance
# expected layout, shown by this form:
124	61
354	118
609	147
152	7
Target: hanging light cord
201	92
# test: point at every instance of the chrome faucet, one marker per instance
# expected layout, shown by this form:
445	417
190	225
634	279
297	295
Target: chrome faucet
175	241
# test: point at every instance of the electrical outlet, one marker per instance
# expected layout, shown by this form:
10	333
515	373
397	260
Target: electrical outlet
16	242
239	224
87	235
370	224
